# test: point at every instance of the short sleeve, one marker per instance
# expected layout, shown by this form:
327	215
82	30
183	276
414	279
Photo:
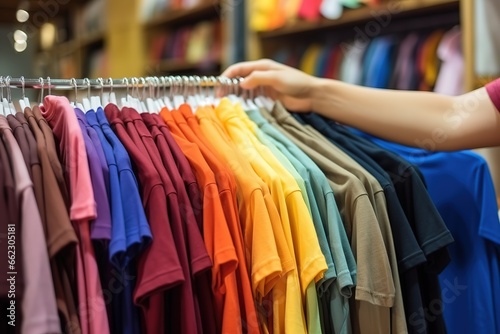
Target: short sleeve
493	89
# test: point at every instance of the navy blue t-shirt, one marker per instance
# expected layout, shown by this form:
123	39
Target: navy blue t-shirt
460	185
425	221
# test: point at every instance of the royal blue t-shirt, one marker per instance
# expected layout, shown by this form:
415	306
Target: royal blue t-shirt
126	318
138	233
118	243
461	187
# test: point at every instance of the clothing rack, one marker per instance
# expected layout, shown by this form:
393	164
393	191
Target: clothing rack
179	84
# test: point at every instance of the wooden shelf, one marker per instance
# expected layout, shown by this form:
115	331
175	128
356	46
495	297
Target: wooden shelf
66	48
180	65
92	39
363	14
206	9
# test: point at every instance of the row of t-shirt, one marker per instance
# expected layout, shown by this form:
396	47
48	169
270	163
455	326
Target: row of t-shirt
218	219
429	61
274	14
199	44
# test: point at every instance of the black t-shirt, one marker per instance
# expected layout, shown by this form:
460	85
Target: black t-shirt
408	251
420	286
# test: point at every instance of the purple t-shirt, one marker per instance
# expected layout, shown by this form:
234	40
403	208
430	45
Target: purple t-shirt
100	228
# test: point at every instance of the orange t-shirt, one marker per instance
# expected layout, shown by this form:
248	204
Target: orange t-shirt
228	198
262	253
217	236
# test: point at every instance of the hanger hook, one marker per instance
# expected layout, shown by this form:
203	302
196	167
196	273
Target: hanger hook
42	83
143	83
1	86
158	90
152	92
134	84
7	84
22	86
110	83
198	85
48	85
164	84
101	83
125	81
73	82
87	82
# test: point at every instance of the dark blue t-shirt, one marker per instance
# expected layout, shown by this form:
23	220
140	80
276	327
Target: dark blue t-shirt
460	185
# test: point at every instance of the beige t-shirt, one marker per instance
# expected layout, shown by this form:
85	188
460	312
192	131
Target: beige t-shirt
363	212
367	315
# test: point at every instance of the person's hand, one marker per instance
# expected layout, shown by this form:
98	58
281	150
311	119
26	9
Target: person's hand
286	84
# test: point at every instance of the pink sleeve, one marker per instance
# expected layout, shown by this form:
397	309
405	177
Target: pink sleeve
493	89
62	119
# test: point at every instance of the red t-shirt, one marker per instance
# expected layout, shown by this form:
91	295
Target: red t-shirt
202	281
159	267
197	252
182	315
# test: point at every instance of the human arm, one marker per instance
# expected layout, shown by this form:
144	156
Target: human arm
422	119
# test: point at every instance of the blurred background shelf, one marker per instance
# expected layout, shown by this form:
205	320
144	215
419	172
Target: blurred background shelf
204	10
397	9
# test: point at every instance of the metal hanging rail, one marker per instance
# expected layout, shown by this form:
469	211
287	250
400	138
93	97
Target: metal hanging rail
129	83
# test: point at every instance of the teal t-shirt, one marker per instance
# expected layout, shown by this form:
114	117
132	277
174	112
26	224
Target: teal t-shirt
333	298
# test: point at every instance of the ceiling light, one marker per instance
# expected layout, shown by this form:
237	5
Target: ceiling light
20	36
47	36
20	46
22	15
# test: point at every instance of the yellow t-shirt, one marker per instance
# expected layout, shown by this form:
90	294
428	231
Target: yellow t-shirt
297	222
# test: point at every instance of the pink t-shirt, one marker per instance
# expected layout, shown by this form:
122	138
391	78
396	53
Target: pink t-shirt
39	302
493	89
62	119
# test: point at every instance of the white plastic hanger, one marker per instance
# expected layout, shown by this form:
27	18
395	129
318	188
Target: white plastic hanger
95	100
23	101
212	91
8	105
168	99
6	102
106	96
75	104
178	98
200	99
123	100
42	86
250	101
238	96
86	100
160	103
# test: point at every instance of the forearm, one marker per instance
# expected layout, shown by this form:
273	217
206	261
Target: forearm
423	119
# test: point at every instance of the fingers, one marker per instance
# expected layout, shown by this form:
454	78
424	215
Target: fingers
245	68
261	78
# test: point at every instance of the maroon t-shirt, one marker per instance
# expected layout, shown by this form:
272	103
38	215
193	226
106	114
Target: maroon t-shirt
159	268
190	182
198	256
180	316
493	89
